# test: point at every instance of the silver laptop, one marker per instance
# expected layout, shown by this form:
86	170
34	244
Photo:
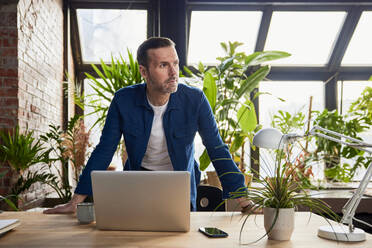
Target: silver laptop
142	200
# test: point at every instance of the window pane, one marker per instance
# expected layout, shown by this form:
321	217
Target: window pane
308	36
295	94
297	97
107	31
359	51
348	92
209	28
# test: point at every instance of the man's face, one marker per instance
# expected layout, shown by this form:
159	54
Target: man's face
162	70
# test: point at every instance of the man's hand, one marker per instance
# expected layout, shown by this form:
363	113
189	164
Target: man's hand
68	208
248	206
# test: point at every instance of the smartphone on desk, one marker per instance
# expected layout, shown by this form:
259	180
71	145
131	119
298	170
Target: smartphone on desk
213	232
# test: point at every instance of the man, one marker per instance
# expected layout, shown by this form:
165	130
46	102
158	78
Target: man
159	120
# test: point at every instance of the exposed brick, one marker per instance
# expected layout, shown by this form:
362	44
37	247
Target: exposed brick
34	109
8	19
10	82
10	42
9	62
10	72
10	101
7	122
8	92
8	51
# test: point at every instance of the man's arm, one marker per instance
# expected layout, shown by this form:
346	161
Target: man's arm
67	208
232	178
99	160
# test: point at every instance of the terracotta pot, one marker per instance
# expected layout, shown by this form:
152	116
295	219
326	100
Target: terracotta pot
283	226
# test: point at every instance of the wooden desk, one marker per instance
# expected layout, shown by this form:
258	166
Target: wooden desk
38	230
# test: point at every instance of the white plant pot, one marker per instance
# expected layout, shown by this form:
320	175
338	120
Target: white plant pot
284	224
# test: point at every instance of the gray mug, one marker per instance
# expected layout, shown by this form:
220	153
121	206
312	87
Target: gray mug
85	212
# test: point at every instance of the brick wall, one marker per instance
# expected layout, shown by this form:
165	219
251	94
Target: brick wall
40	73
40	54
31	71
8	66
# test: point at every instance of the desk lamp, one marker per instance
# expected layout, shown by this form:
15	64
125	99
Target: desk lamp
272	138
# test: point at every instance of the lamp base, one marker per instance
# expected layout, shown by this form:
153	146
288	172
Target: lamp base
341	232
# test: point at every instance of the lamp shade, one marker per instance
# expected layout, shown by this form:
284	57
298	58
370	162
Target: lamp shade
269	138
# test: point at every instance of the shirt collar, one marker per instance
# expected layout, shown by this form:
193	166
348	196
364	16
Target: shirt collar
141	99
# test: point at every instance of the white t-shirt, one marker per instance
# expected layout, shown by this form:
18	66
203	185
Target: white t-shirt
157	156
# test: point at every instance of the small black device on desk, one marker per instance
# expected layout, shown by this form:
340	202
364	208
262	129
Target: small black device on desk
213	232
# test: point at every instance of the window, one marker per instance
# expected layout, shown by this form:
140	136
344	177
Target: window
308	36
106	32
359	51
348	92
209	28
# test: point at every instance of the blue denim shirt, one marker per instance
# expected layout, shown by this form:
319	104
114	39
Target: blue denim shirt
188	112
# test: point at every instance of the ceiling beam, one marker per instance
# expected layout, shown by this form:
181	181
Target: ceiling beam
344	38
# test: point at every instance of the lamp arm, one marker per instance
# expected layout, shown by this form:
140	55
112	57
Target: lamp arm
359	144
351	205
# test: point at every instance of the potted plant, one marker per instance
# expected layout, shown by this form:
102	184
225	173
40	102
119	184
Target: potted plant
65	147
21	151
279	196
227	87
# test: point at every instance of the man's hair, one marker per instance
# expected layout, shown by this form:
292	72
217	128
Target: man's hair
151	43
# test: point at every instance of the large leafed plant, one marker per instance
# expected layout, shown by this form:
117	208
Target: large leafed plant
109	78
228	88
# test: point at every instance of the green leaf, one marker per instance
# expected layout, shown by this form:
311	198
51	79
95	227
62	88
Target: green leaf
99	73
226	64
9	202
252	81
224	46
237	142
229	101
247	117
188	71
204	160
210	89
264	56
201	67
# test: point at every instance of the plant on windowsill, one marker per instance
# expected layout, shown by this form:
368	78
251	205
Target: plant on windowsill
279	196
330	152
227	87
